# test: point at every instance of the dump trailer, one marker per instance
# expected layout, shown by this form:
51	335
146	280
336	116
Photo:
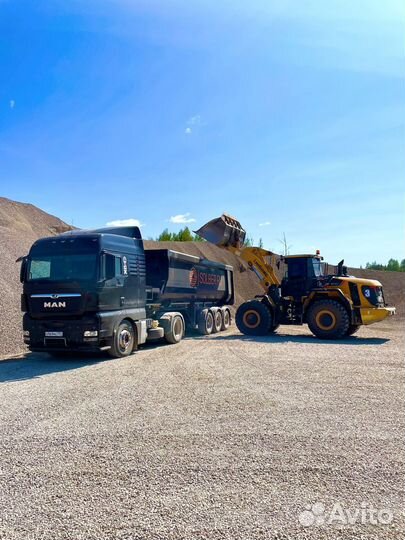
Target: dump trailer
99	290
333	304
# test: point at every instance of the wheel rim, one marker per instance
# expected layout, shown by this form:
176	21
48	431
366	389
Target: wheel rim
251	318
218	320
209	322
124	340
226	318
325	319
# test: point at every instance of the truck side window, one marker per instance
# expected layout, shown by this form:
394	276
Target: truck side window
113	266
118	266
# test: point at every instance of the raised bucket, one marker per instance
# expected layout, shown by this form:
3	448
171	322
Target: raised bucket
223	231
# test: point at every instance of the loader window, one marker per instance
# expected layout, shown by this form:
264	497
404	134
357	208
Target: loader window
317	267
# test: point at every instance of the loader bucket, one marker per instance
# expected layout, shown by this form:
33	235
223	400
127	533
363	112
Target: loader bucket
223	231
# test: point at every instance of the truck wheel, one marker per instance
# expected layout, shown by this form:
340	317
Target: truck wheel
253	318
124	341
217	321
226	319
352	329
206	323
176	332
328	319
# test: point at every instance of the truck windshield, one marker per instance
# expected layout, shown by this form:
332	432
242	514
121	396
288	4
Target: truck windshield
60	267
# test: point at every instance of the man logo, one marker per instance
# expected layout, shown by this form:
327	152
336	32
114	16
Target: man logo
193	277
54	304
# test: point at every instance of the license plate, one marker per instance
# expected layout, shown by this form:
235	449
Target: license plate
53	334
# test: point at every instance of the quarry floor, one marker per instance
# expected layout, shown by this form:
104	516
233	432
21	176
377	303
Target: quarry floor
220	437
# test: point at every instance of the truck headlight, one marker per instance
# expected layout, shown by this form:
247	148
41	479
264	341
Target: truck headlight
90	333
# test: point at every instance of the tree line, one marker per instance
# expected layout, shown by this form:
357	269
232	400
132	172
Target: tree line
393	265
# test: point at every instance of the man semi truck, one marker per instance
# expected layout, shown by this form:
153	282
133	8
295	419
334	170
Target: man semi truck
100	290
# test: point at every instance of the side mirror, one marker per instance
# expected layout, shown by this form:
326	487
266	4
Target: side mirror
23	268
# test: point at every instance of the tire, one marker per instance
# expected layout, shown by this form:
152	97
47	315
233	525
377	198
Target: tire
176	332
226	319
328	319
217	321
254	318
206	323
124	340
352	329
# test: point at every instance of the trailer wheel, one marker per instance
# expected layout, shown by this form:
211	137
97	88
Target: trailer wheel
217	321
176	332
328	319
353	328
206	323
124	341
253	318
226	319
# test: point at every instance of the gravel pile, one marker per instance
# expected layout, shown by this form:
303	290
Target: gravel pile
20	225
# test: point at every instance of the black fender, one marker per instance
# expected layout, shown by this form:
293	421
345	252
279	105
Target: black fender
323	295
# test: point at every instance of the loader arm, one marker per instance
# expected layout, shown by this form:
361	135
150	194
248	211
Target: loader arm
227	233
260	261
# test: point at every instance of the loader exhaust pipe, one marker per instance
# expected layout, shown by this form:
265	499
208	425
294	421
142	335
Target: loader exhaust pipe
224	231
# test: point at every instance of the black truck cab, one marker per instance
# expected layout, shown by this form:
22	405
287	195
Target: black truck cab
83	289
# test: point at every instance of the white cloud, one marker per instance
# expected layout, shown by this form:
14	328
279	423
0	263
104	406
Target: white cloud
182	218
194	120
12	103
131	222
265	224
193	124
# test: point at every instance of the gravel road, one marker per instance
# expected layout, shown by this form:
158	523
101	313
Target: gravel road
220	437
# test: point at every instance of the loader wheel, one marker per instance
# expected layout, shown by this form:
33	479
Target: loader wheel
352	329
253	318
217	321
328	319
124	341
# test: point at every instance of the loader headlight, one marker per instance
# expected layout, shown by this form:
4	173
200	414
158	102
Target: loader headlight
373	294
90	333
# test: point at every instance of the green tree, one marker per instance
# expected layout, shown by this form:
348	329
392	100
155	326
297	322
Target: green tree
402	266
165	236
393	265
183	235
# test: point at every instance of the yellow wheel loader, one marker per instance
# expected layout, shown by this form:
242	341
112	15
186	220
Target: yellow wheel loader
334	305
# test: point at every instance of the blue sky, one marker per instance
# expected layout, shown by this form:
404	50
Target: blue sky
289	115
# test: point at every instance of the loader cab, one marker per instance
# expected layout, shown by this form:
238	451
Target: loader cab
302	274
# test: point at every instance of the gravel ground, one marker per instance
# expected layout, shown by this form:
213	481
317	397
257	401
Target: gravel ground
220	437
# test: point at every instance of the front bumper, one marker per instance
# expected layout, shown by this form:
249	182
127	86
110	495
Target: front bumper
373	315
66	335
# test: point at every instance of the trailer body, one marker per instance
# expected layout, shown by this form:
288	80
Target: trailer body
80	286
